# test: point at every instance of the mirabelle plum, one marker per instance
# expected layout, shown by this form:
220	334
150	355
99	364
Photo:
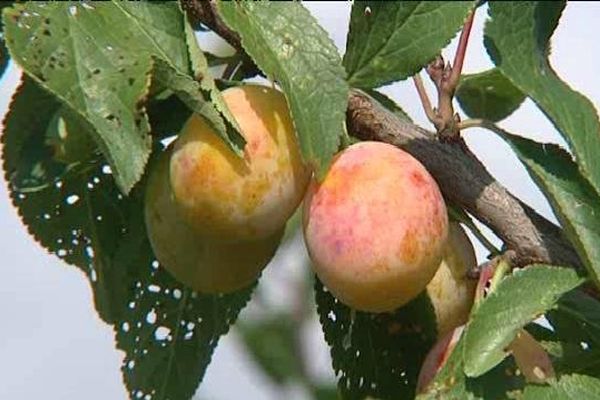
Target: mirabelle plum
451	292
375	227
225	196
200	262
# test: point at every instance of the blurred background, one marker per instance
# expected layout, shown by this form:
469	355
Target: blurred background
54	346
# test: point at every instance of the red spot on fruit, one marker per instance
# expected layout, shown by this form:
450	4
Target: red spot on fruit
417	178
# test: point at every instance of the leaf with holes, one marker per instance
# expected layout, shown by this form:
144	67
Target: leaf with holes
517	39
518	300
77	213
376	355
291	48
168	331
390	41
489	95
74	210
72	50
573	199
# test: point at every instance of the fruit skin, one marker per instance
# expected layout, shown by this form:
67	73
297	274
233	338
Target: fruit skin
375	227
202	263
451	292
225	196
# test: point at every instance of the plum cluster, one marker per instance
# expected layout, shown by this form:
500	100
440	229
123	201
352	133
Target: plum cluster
376	226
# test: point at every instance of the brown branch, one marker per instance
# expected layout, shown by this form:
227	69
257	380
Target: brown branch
429	111
205	13
462	178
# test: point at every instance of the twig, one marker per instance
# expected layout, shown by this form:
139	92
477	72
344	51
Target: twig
429	111
461	51
446	79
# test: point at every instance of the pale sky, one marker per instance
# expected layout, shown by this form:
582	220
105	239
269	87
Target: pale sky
54	346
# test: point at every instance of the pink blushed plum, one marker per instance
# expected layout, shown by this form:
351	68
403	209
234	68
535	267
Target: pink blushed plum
375	227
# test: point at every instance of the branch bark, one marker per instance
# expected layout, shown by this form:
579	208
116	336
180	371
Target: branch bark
462	178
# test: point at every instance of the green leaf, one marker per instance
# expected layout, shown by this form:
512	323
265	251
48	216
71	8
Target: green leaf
488	95
390	104
517	39
376	355
518	299
4	57
189	91
291	48
77	213
573	199
577	310
575	339
569	387
228	129
74	51
271	343
169	332
390	41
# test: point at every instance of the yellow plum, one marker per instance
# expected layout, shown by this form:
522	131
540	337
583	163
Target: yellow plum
233	198
199	261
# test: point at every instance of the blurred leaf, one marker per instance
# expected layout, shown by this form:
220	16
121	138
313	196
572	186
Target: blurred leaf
290	47
488	95
168	333
573	199
390	104
518	299
390	41
271	343
569	387
376	355
73	50
326	393
517	39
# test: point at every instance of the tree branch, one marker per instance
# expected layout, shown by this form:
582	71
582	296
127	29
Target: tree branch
462	178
